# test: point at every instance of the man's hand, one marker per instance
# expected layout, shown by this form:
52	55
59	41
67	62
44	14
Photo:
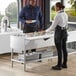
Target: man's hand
28	21
43	31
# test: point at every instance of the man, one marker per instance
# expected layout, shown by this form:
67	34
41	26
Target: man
31	17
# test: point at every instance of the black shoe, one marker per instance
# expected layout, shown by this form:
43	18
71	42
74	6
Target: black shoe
40	57
40	61
56	67
64	66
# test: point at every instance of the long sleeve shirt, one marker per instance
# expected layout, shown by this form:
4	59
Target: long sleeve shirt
60	19
31	13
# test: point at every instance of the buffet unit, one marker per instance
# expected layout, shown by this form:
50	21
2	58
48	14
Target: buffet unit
23	42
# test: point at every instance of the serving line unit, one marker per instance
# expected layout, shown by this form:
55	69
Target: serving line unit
23	42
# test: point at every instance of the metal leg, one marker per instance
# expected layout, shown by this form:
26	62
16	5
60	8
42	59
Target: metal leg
25	61
51	60
12	58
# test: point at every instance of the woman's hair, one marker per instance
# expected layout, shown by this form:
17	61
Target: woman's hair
60	5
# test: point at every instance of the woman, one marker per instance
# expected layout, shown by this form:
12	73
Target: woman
60	25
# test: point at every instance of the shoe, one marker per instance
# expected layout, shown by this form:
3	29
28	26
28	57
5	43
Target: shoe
40	57
56	67
34	52
40	61
64	66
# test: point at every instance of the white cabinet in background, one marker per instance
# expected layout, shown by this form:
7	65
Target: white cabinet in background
5	42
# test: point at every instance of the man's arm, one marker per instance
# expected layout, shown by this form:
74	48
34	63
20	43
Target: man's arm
41	19
21	16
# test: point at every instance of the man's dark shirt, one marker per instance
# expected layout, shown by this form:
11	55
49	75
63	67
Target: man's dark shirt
31	13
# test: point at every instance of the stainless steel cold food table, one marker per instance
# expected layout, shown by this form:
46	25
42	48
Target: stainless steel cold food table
25	42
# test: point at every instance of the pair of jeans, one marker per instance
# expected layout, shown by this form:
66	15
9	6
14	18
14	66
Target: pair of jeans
60	43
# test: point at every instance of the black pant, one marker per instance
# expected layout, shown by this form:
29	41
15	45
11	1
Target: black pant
60	42
28	28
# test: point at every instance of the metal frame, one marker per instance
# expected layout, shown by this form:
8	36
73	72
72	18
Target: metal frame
24	62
